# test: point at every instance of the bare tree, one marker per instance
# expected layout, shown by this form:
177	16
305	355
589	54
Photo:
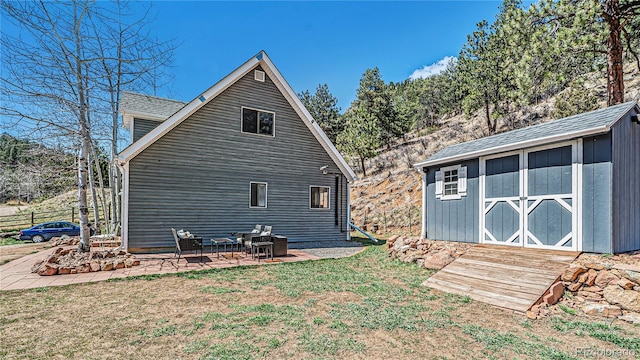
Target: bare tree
55	71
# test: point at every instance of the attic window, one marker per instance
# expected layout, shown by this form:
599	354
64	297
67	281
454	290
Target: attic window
258	75
258	121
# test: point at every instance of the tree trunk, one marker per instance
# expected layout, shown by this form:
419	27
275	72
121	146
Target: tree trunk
94	197
83	210
364	171
615	75
103	197
487	113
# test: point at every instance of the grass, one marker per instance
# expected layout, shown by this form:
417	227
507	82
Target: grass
366	306
10	241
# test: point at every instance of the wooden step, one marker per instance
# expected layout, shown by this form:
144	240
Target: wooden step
508	277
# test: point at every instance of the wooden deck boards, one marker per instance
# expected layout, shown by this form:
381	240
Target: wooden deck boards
509	277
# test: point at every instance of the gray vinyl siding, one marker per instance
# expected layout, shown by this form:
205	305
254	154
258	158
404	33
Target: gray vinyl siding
142	126
626	185
596	194
454	220
197	176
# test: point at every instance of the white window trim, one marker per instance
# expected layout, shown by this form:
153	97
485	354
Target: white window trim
258	120
328	197
266	194
456	196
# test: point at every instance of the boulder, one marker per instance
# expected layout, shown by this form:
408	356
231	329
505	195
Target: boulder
119	264
626	299
572	273
591	279
631	275
136	262
589	295
631	317
83	268
605	310
64	270
47	269
438	260
106	265
573	287
625	284
94	266
583	278
555	293
594	266
52	259
604	278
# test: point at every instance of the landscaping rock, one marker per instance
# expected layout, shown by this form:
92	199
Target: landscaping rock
594	266
625	284
555	293
64	270
572	273
626	299
604	278
631	317
591	279
70	261
605	310
47	269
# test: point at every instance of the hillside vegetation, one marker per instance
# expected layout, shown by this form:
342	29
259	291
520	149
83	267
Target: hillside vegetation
392	189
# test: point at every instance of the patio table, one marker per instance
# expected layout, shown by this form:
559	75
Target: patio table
225	242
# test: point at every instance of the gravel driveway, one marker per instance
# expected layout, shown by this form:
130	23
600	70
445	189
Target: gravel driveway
328	249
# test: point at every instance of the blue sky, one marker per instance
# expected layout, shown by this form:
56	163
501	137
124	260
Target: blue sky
313	43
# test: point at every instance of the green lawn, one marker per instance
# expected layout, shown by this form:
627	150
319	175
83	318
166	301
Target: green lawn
363	307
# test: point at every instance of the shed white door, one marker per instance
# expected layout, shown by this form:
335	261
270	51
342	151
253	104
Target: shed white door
529	198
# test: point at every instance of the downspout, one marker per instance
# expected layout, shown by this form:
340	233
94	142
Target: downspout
423	232
348	210
124	206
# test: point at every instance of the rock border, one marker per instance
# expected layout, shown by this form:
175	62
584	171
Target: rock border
69	261
594	285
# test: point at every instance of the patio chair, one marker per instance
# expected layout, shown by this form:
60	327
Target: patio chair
263	239
248	237
187	244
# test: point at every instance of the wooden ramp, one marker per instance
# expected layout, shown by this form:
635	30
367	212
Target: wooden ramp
508	277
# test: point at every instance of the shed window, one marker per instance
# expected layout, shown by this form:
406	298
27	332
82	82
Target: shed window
319	197
258	121
258	196
451	182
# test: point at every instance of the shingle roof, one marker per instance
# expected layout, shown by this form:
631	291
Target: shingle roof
557	130
141	104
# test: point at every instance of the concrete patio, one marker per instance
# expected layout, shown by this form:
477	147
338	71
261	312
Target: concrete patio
17	273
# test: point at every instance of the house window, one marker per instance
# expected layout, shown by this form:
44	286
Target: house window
319	197
258	121
451	182
258	196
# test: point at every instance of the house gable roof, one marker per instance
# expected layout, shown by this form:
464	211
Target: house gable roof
572	127
134	105
187	110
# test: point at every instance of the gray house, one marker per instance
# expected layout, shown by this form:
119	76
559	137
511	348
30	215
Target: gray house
244	152
569	184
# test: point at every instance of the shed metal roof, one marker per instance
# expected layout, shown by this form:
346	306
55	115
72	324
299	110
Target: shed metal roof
147	106
572	127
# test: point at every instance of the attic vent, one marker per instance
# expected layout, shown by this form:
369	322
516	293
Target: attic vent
258	75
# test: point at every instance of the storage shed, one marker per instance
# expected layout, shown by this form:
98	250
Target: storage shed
569	184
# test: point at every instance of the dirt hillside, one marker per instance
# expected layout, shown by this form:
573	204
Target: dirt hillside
388	200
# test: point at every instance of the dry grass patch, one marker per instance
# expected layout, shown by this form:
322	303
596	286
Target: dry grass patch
363	307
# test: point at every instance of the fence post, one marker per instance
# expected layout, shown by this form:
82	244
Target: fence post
32	219
384	212
73	214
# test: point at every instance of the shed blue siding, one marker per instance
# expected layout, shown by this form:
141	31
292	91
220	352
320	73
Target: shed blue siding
596	194
626	184
454	220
